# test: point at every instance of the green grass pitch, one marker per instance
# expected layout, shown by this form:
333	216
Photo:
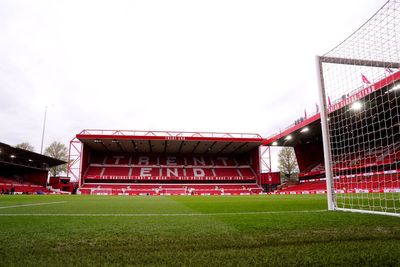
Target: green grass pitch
191	231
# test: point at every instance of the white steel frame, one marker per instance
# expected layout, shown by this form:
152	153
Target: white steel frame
331	195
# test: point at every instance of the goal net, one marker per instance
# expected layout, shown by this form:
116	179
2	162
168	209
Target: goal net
359	84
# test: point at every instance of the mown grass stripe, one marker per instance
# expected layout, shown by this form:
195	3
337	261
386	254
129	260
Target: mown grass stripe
32	204
158	214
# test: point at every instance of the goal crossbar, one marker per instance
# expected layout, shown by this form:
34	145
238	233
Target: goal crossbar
360	62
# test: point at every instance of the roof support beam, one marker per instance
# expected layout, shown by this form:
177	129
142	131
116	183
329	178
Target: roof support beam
135	147
165	147
239	147
180	147
224	147
209	149
195	146
119	145
105	147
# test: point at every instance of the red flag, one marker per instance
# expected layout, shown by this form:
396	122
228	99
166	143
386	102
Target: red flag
329	101
389	70
364	79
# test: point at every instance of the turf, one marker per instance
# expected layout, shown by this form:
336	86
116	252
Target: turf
192	231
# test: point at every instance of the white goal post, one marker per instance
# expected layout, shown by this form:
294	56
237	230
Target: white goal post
359	89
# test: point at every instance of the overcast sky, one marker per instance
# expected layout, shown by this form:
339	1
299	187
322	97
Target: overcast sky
230	66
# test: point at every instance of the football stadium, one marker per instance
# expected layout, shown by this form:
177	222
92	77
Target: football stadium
201	198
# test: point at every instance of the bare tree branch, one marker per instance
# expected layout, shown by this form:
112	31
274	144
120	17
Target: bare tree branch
287	162
26	146
59	151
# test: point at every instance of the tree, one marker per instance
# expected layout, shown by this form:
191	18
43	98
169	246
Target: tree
59	151
287	162
26	146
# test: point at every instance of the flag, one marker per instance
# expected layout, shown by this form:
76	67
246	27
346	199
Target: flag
389	70
329	101
364	79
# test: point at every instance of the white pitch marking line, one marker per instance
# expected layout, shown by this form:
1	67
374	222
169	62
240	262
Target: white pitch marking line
33	204
157	214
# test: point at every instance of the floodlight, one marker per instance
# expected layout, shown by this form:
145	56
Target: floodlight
356	106
396	87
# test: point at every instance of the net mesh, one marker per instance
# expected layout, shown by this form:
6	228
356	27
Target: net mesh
361	82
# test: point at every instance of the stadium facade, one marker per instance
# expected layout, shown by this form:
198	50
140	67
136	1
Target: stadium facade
167	162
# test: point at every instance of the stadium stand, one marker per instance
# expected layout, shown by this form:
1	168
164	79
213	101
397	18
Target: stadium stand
366	165
8	185
168	163
374	158
24	172
168	168
367	183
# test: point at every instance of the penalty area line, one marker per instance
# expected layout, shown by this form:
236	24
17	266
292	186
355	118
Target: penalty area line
33	204
157	214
